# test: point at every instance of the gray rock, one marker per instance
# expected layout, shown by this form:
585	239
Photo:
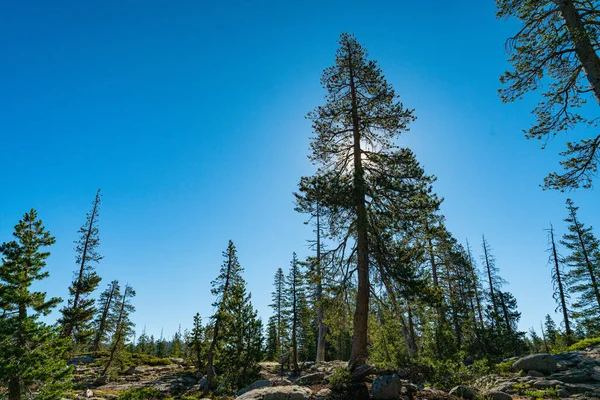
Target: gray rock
536	374
545	384
278	393
387	387
360	373
543	363
562	393
134	371
324	394
568	360
464	392
497	395
88	394
310	379
255	385
573	376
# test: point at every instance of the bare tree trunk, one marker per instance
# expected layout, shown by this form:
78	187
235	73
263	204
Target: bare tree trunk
361	315
319	295
489	273
584	48
68	329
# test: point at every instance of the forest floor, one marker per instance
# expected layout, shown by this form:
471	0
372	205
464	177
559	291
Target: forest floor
576	376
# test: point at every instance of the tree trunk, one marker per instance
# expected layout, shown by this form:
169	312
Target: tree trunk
505	312
319	294
561	293
102	327
361	315
68	329
119	332
584	48
489	273
474	278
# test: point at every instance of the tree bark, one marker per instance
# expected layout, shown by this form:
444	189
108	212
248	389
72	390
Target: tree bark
361	315
583	46
319	294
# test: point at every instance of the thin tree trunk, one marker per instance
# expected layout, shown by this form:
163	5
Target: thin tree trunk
584	48
319	295
474	278
489	273
505	312
561	293
361	315
119	330
69	327
102	327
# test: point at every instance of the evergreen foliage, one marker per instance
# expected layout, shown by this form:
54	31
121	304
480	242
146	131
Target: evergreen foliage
31	355
556	47
582	277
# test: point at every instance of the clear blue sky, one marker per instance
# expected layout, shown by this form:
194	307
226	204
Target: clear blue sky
189	115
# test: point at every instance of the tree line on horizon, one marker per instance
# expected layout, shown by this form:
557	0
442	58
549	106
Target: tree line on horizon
387	284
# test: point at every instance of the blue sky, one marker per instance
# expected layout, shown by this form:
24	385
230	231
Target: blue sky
189	116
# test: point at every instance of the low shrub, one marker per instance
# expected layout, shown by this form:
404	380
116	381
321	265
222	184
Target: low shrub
340	380
584	344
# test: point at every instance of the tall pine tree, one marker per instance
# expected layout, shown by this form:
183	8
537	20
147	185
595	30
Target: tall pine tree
30	354
353	144
584	270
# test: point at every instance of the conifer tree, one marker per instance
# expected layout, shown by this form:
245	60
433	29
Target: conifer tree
144	344
584	269
492	276
310	201
176	347
551	332
77	315
293	295
277	298
162	347
197	341
229	277
123	327
30	353
558	44
354	146
242	339
272	343
104	322
560	295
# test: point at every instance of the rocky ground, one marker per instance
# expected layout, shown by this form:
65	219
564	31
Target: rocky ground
574	375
